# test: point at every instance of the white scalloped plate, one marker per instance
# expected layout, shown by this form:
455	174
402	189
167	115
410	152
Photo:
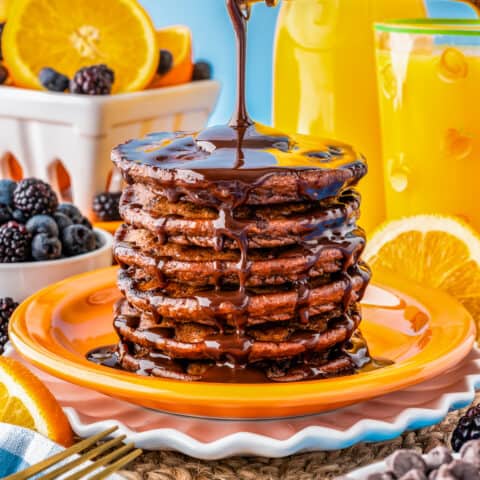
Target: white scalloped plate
374	420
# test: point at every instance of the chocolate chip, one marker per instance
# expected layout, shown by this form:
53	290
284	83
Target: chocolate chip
437	457
381	476
470	453
402	461
457	470
414	474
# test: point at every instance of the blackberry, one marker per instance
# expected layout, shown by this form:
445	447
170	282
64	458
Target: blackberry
14	243
106	206
34	197
7	307
202	71
3	74
94	80
53	80
468	428
165	62
2	26
5	213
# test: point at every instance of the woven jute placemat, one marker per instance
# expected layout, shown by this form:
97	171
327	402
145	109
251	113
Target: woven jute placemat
308	466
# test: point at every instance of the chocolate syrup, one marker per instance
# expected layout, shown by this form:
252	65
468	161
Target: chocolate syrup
219	168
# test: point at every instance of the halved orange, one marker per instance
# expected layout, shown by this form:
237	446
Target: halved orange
4	6
69	34
431	250
178	40
26	401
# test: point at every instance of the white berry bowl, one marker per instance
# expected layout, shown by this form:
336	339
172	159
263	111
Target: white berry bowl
20	280
53	136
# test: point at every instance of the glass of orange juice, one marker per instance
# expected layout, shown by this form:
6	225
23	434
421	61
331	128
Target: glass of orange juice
429	89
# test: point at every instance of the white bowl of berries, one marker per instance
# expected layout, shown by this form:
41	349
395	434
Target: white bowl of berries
42	241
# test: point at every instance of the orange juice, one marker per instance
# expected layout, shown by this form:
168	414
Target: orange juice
429	96
324	80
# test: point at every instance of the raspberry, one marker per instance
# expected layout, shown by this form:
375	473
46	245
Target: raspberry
14	243
7	307
94	80
53	80
468	428
202	71
34	197
106	205
165	63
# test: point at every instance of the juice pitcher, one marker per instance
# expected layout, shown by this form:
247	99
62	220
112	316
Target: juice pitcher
324	77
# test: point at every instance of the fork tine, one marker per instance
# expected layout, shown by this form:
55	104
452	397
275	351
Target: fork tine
101	461
114	467
86	456
41	466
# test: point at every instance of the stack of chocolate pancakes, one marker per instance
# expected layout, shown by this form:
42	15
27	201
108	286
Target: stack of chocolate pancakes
240	257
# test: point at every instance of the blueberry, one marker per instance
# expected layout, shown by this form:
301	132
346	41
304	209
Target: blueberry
86	223
5	213
62	220
202	71
71	211
78	239
7	188
43	224
165	63
19	216
45	247
53	80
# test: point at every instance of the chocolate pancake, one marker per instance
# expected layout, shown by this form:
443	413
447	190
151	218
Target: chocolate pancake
265	227
210	168
256	305
149	362
240	256
206	266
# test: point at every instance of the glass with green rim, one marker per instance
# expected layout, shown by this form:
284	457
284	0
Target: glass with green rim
428	73
432	26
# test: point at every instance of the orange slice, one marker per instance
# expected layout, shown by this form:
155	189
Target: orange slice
67	35
431	250
177	39
26	401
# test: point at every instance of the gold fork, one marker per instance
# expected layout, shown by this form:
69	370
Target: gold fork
116	459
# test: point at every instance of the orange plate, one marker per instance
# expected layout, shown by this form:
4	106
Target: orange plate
423	331
110	227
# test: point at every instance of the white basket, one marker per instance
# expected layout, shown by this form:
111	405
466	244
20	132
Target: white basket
40	131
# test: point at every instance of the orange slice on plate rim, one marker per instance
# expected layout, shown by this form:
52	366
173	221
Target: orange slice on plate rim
26	401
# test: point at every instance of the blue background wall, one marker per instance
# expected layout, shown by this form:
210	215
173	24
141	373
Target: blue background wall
213	40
